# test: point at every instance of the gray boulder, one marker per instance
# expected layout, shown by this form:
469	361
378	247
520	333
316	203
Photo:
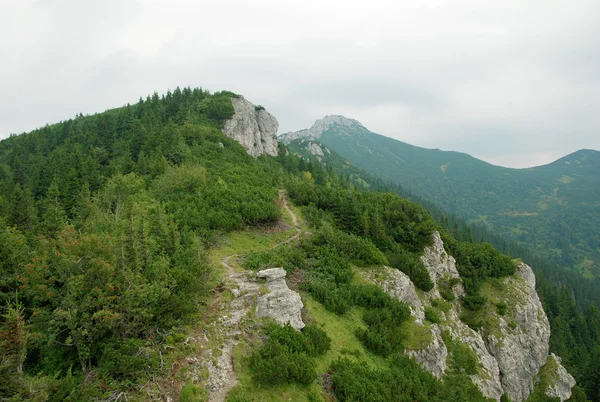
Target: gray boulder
280	302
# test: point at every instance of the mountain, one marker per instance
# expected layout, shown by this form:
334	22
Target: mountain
171	250
552	209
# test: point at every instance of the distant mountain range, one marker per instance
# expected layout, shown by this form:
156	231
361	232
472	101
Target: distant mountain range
553	209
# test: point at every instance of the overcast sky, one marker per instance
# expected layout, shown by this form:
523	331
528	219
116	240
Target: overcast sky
513	82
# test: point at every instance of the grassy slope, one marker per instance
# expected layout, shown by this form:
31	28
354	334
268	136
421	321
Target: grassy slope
341	330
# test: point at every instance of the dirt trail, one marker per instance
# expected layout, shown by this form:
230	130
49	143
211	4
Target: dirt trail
222	375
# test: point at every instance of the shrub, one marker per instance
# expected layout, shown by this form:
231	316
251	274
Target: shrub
336	299
432	316
403	380
356	249
277	364
411	265
463	360
441	305
256	260
447	294
473	302
129	359
189	393
287	355
502	308
317	340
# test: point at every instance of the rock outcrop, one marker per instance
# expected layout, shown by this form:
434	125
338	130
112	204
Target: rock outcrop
512	349
253	127
433	357
441	266
397	284
280	303
560	381
522	348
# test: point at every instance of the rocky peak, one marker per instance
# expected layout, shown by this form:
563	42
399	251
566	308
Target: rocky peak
320	126
253	127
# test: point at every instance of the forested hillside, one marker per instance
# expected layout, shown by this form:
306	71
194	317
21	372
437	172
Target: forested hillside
113	230
551	209
570	299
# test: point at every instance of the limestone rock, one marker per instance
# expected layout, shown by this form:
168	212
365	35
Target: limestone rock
272	274
315	149
562	381
255	129
488	377
280	303
397	284
512	350
433	357
440	266
523	349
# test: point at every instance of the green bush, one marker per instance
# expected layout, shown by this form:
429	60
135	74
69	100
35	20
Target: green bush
317	340
287	356
478	261
432	316
189	393
129	359
411	265
473	302
257	260
441	305
502	308
358	250
337	299
277	364
463	360
403	380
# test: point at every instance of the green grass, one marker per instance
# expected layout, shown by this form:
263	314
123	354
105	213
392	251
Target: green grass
344	343
417	336
496	291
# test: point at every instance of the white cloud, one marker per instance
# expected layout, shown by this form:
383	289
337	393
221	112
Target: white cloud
495	79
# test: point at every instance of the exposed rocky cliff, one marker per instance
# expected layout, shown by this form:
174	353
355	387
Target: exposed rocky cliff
253	127
512	348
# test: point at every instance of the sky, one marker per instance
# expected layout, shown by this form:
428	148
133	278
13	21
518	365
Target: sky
515	83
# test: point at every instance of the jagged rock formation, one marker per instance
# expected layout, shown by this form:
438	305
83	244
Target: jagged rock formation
280	303
397	284
433	357
523	349
320	127
253	127
441	266
560	380
512	350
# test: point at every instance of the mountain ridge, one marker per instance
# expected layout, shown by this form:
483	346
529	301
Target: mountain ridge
548	208
316	130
